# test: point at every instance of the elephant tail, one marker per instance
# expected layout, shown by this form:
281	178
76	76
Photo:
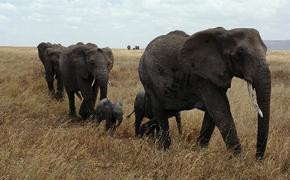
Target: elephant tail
129	115
79	95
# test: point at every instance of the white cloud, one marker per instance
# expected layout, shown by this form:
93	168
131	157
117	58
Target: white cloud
7	7
120	22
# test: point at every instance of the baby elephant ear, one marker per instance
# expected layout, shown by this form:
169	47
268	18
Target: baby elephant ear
202	54
107	102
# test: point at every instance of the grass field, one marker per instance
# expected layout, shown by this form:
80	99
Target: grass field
38	142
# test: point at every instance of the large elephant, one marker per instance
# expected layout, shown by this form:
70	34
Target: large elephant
49	55
181	72
85	68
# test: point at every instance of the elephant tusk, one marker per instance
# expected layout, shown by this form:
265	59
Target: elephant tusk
79	95
253	97
93	82
54	77
109	83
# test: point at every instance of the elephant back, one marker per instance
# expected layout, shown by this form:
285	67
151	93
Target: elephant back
160	69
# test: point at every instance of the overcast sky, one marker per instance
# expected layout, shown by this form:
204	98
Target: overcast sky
117	23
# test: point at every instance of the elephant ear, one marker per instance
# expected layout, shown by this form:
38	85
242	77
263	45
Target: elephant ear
202	53
42	50
108	52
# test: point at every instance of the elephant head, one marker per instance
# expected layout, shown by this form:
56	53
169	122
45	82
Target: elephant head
41	50
217	55
94	64
53	52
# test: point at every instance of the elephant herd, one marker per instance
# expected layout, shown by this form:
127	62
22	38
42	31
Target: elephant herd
178	72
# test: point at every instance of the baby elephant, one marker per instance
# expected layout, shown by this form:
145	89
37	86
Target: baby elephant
142	108
112	113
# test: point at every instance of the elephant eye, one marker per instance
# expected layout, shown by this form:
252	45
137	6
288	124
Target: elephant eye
92	62
240	52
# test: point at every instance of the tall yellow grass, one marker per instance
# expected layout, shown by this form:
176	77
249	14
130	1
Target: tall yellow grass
38	142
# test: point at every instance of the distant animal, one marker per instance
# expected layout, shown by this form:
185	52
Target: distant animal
142	108
128	47
49	55
137	47
111	112
182	72
85	68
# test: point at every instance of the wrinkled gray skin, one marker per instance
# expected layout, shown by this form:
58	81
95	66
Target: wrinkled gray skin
85	68
49	55
181	72
142	108
112	113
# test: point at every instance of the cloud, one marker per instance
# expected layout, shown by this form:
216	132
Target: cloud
120	22
7	7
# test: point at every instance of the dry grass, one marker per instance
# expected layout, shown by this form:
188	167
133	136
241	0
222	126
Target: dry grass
37	142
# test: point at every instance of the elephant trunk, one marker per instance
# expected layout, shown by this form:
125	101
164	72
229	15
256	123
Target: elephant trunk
102	79
262	85
119	122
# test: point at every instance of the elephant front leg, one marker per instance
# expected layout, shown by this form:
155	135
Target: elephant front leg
110	126
59	92
218	108
206	131
89	95
86	108
49	79
72	109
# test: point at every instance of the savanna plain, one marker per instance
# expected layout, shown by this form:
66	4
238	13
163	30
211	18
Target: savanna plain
37	140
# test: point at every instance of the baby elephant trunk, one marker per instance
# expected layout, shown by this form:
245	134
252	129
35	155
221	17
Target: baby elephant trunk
119	122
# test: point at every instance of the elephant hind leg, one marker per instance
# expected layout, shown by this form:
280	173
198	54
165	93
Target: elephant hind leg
148	128
178	122
162	121
206	131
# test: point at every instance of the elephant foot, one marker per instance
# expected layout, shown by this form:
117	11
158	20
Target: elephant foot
85	115
72	116
148	129
202	143
236	150
164	141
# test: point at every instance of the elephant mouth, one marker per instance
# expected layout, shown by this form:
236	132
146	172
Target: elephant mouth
253	98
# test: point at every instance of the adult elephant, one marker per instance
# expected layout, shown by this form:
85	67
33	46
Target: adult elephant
181	72
85	68
49	55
